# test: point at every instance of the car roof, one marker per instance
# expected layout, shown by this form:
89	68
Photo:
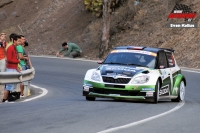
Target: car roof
150	49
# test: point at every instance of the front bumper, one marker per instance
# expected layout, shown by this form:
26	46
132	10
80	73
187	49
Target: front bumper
115	96
117	92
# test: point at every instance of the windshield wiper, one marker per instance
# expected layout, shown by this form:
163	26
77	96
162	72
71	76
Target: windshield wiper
136	65
115	63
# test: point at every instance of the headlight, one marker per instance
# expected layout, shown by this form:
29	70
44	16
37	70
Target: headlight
96	76
140	79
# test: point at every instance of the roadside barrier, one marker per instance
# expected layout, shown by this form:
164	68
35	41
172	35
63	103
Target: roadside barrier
16	77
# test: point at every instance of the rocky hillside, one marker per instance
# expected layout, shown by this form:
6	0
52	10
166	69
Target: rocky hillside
48	23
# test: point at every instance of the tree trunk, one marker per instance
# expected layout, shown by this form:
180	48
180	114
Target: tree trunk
106	28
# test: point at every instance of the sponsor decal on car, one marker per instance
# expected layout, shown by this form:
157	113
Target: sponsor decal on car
111	74
176	90
164	73
89	85
164	90
115	75
160	72
120	68
86	87
149	93
147	89
114	51
135	51
153	54
114	94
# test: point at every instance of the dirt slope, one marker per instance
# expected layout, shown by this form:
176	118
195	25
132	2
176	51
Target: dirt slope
48	23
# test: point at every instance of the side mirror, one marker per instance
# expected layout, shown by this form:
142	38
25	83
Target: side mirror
161	67
100	62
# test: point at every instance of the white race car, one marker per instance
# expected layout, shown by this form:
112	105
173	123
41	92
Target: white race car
136	73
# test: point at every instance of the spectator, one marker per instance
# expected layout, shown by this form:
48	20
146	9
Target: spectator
25	44
11	40
3	44
2	56
12	64
73	50
23	59
3	38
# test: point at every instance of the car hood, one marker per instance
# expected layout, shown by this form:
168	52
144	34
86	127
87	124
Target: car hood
122	70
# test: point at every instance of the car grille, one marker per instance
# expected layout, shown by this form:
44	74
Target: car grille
119	80
121	92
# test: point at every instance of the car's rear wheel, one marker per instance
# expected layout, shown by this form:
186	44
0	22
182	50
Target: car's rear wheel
181	93
90	98
156	94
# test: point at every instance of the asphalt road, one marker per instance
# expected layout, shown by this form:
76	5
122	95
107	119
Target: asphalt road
65	110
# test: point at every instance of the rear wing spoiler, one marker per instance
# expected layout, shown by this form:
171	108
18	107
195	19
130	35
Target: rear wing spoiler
168	50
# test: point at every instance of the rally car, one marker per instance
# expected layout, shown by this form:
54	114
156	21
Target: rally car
136	73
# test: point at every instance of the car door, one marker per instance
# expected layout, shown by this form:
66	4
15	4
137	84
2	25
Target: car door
166	75
173	69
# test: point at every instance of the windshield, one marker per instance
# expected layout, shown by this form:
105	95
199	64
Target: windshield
126	58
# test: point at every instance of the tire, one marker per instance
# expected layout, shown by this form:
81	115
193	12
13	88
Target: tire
181	93
156	94
90	98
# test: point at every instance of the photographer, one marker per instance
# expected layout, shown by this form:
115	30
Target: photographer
72	50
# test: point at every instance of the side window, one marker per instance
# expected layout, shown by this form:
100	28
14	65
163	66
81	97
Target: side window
170	59
162	60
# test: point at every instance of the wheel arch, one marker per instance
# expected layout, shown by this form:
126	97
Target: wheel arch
184	80
178	80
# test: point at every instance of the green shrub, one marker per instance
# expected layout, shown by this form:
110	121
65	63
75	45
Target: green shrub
96	6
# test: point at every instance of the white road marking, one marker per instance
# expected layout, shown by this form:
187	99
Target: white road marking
44	92
190	68
144	120
190	71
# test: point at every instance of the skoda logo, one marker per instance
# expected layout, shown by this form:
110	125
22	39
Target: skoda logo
115	76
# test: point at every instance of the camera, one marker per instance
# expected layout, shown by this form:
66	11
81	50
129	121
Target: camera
26	44
1	44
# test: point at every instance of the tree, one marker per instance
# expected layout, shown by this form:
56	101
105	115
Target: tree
106	27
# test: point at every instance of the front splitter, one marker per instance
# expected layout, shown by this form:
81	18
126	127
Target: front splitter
116	96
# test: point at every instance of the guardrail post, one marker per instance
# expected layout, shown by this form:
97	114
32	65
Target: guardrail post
26	88
17	87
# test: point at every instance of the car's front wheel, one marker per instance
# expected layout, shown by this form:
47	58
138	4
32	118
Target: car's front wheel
90	98
181	93
156	93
